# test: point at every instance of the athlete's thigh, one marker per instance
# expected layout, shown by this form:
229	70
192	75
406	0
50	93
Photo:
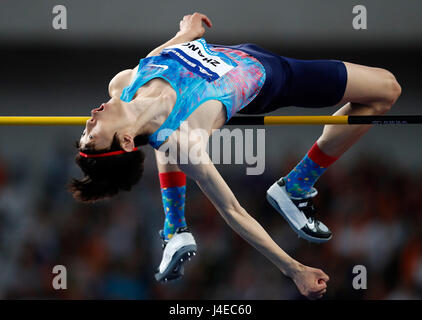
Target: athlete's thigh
365	84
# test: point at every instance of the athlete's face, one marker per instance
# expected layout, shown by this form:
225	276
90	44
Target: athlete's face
107	120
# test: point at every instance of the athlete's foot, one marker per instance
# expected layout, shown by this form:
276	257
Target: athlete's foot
176	251
299	213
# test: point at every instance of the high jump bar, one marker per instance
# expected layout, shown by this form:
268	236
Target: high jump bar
237	121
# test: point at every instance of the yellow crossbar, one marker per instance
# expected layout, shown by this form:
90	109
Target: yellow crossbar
43	121
236	121
78	121
277	120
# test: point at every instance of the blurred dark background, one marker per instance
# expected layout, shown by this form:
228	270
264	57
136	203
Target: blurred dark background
370	198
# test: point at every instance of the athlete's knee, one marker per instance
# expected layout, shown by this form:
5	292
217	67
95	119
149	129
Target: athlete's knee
391	91
392	87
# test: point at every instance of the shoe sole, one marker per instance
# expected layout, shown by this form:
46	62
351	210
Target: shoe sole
299	232
174	269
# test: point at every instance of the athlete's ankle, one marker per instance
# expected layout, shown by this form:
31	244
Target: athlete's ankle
300	181
294	190
170	230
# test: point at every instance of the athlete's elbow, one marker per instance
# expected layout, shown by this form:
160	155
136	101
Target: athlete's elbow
233	212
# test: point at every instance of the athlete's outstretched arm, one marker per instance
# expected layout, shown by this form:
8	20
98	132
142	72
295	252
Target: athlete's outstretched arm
310	282
191	28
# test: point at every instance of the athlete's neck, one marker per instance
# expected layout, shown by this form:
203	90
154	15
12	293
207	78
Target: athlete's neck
151	106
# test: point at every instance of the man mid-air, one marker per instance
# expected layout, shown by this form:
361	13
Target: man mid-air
188	81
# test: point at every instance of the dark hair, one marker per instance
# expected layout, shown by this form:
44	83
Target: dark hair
106	176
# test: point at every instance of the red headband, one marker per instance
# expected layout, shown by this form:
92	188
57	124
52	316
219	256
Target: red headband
106	154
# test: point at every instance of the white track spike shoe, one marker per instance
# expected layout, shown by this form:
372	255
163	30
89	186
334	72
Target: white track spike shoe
176	251
299	213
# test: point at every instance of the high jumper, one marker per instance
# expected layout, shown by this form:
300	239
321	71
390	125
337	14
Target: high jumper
186	80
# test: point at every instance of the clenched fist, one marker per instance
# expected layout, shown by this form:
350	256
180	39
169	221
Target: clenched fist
192	27
311	282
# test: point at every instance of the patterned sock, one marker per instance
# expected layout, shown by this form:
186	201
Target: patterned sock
173	192
301	179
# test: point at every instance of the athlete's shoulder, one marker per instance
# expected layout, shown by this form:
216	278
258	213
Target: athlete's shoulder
120	81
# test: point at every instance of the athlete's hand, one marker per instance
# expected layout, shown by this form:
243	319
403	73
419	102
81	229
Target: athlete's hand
192	26
311	282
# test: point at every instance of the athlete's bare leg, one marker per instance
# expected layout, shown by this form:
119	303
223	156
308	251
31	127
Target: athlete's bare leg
369	91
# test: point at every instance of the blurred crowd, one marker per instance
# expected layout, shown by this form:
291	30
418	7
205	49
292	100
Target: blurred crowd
111	249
